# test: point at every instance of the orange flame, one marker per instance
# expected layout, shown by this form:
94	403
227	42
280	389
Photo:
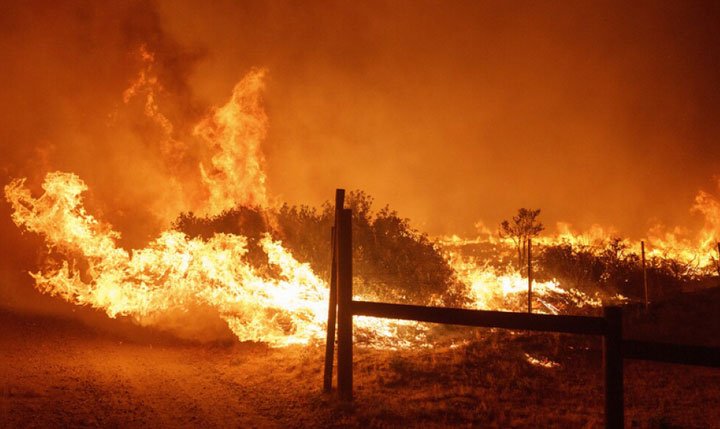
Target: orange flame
236	131
148	85
492	289
171	272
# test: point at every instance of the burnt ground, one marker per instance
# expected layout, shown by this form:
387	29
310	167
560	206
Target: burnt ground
59	372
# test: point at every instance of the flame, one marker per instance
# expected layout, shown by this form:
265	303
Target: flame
175	272
236	131
172	272
709	207
500	287
543	362
148	85
230	135
492	289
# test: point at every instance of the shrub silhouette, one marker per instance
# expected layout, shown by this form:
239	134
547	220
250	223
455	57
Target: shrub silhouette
611	268
392	260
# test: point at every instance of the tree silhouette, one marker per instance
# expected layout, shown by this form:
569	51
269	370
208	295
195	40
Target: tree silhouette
523	227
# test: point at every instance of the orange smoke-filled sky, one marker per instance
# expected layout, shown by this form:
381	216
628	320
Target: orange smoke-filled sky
451	112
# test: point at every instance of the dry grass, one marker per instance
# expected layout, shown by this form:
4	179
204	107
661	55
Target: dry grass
490	383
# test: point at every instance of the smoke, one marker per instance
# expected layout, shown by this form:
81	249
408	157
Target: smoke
69	64
600	113
65	68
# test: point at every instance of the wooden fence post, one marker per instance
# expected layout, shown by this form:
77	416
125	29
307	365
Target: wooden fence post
345	316
530	274
332	299
644	268
613	368
332	316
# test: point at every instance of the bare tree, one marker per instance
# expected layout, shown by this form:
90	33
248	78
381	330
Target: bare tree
523	227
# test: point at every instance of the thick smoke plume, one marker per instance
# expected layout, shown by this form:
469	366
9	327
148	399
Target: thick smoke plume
67	67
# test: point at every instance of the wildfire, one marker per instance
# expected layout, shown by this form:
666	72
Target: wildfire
175	272
287	304
172	272
491	289
235	132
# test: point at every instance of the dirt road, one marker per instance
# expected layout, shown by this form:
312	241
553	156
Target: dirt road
60	373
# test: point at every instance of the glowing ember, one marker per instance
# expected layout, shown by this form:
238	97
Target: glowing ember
543	362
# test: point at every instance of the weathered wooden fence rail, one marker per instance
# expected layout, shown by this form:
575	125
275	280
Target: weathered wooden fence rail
671	353
609	326
482	318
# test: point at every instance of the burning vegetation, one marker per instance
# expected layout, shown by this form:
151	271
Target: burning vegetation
232	263
262	266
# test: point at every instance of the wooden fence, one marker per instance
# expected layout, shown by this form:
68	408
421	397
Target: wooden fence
342	308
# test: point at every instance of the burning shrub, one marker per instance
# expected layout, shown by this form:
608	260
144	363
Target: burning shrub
250	222
612	268
576	266
392	260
